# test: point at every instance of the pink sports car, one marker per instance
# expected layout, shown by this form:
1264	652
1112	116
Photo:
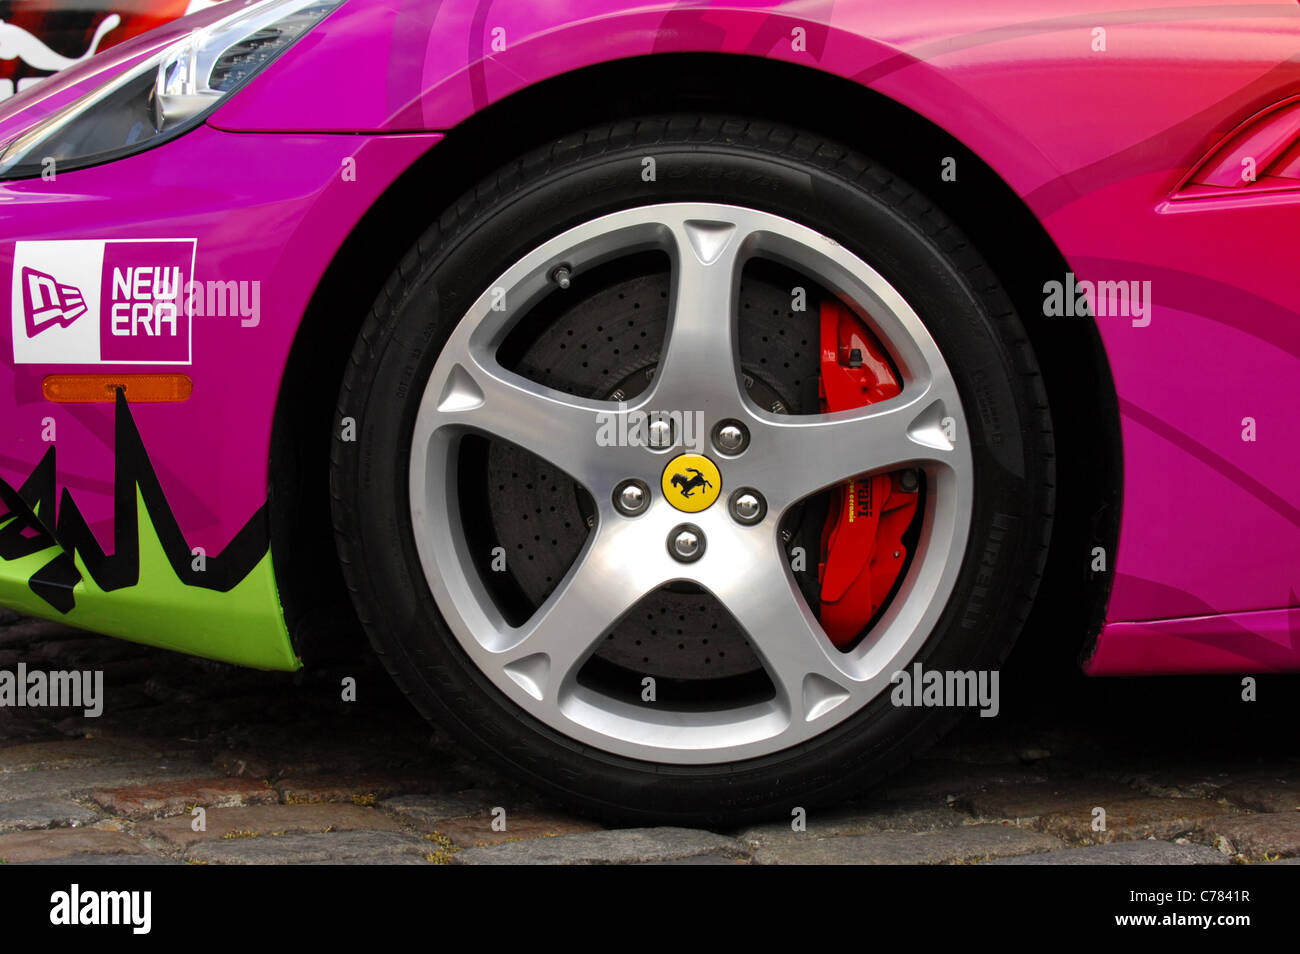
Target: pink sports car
692	401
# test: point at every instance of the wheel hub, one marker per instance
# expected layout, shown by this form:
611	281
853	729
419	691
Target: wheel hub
691	483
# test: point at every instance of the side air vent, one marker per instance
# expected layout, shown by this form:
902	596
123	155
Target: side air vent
1261	155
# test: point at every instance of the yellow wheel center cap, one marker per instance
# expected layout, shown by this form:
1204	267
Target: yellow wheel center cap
691	483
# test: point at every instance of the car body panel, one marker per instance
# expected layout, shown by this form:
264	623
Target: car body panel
1263	641
279	229
1094	140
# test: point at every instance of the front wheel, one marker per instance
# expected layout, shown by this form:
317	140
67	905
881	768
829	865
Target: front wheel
677	441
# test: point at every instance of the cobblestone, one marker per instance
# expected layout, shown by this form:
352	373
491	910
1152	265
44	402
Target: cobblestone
476	831
273	820
883	816
1265	794
354	847
43	813
944	846
41	845
1256	837
428	811
1125	853
157	799
621	846
1128	819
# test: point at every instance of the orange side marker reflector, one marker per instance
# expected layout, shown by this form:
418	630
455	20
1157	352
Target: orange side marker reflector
102	388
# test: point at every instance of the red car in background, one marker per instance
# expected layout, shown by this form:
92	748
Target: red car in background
40	37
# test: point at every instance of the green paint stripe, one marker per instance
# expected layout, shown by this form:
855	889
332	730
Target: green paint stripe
243	626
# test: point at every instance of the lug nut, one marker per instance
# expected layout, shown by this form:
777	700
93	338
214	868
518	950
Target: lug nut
631	498
730	437
661	433
908	481
747	506
686	542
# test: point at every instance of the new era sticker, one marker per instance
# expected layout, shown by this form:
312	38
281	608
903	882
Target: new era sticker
102	302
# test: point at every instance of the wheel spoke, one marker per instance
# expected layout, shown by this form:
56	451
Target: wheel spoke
798	657
550	648
818	451
699	357
480	395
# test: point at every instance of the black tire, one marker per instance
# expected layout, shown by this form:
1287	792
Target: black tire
803	177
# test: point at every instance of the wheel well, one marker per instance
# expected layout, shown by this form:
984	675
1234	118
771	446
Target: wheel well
1080	389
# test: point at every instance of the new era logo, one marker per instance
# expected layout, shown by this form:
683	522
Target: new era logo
102	301
47	303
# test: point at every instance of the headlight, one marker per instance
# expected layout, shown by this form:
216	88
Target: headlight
166	94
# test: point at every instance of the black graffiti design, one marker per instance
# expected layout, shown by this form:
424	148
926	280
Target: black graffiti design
32	527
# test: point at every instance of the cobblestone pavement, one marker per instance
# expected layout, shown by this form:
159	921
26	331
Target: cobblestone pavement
286	771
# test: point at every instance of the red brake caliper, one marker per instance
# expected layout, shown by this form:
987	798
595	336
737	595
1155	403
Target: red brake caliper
862	543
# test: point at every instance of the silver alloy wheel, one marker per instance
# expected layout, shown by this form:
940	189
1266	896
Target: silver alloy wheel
788	458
